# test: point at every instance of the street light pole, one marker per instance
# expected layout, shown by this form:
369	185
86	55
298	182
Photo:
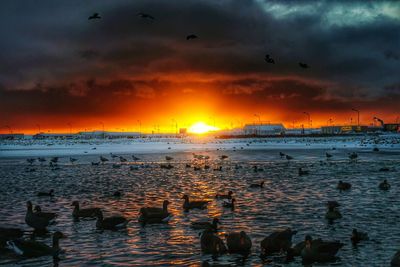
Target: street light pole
104	134
140	128
309	118
259	122
358	115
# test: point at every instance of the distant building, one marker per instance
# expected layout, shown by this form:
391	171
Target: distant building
264	129
13	136
54	136
108	135
392	127
337	129
182	131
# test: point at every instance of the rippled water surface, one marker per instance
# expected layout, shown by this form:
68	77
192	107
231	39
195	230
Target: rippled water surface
286	201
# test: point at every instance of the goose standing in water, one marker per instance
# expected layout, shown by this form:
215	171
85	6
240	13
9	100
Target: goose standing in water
239	243
72	160
289	157
353	156
319	251
211	243
31	248
199	204
206	225
34	220
83	213
110	223
277	241
328	156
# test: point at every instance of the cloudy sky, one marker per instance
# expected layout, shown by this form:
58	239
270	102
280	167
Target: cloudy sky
59	68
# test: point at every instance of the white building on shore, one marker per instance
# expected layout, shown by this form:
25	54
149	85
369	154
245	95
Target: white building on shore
264	129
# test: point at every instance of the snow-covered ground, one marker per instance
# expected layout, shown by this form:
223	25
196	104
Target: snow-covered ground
37	148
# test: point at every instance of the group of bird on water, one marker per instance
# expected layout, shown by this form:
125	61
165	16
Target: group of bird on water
279	242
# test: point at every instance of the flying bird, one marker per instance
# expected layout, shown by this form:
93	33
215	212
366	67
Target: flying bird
303	65
191	36
145	16
268	59
94	16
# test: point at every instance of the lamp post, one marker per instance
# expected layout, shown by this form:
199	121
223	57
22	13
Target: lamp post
259	122
70	127
358	115
140	128
309	118
104	134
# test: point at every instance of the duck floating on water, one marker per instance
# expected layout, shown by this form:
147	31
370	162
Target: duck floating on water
51	216
206	225
358	236
46	194
198	204
395	262
7	234
34	220
211	243
303	172
84	213
333	213
31	248
110	223
384	185
260	185
319	251
149	215
277	241
343	185
239	242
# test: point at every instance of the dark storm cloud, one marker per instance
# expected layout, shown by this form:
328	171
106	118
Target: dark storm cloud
350	45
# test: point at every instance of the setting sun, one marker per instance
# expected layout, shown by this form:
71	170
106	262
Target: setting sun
201	128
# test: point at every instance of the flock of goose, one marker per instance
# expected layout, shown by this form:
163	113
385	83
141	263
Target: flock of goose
279	242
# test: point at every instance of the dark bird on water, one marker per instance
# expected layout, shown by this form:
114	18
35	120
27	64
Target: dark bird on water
303	65
343	185
31	248
110	223
83	213
260	185
358	236
49	193
191	36
328	155
145	16
94	16
268	59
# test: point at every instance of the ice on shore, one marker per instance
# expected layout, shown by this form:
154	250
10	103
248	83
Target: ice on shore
43	148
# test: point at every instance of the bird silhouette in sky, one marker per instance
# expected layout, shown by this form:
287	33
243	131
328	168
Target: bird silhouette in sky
303	65
94	16
191	36
269	59
145	16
